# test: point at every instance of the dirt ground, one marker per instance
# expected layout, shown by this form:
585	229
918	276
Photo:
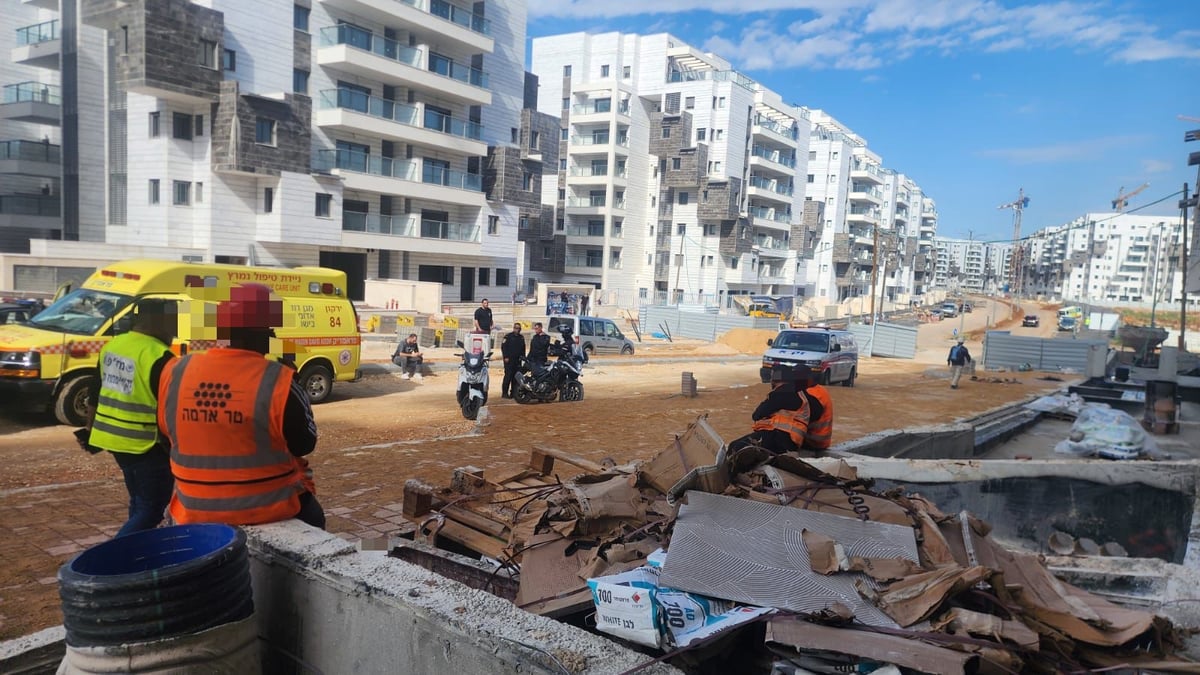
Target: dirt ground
56	500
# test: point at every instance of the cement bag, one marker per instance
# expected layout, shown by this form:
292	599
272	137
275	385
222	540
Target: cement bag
228	648
1101	431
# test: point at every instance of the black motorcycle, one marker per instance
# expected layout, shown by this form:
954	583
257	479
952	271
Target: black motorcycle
559	378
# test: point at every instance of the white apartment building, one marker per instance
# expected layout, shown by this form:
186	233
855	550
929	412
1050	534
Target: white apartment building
971	266
50	175
743	193
346	133
1106	258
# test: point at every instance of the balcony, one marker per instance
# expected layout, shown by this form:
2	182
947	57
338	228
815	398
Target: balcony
775	190
600	144
437	17
585	264
593	206
774	160
774	131
370	230
860	192
405	178
363	53
39	211
859	214
355	112
770	245
30	158
768	217
594	175
38	45
595	232
902	197
32	102
866	172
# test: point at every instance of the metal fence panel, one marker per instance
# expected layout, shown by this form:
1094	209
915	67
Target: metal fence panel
697	325
890	339
1002	349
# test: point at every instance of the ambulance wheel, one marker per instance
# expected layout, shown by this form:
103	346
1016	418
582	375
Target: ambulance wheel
317	381
71	404
849	381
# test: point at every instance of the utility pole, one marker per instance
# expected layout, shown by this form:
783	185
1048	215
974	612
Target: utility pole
1184	253
678	270
1087	274
874	270
962	316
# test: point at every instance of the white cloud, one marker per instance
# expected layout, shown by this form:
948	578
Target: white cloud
1156	166
976	77
860	34
1062	152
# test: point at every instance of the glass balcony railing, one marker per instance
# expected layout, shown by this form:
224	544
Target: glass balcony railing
622	141
773	243
587	202
436	175
30	205
773	156
869	168
460	16
38	32
345	34
23	92
586	230
436	229
866	189
592	108
457	71
591	171
32	151
769	214
361	162
863	211
408	226
775	127
383	108
614	264
772	185
585	261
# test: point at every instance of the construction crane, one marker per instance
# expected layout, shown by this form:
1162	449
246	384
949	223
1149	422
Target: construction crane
1122	198
1015	260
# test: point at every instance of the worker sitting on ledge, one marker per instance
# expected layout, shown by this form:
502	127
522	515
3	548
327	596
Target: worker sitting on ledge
780	421
819	435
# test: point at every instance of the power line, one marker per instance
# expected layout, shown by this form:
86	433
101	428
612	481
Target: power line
1075	226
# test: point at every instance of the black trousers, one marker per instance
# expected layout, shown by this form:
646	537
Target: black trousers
510	375
777	442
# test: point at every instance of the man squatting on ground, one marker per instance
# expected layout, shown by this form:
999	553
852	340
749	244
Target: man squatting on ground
239	425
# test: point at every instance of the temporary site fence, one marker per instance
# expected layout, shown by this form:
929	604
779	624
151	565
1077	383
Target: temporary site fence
887	339
698	325
1002	349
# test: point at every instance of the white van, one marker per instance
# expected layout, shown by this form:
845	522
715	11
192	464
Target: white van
596	335
831	354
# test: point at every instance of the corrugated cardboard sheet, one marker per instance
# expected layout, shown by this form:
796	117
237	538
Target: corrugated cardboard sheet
753	552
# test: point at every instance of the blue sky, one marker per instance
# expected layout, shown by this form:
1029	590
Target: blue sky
972	98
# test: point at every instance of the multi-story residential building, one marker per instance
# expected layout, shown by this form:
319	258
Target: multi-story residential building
743	193
50	158
1106	257
973	266
347	133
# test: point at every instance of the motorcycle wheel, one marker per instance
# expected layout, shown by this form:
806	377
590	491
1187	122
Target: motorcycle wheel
470	408
572	391
522	395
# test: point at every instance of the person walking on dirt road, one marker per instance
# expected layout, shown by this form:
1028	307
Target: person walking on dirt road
512	348
123	418
958	358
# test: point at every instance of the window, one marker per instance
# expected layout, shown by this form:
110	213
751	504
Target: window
438	274
604	70
154	116
566	103
679	260
181	126
618	229
666	132
208	54
324	205
183	193
833	178
811	178
501	277
689	103
833	155
562	163
718	134
300	18
484	276
812	154
602	105
733	263
264	131
153	191
700	134
627	72
564	134
269	200
515	135
299	81
229	60
527	181
676	163
683	198
199	193
523	222
559	225
721	102
566	71
710	230
493	225
198	125
680	229
716	168
562	194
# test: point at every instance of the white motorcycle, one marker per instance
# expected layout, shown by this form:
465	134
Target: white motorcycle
473	380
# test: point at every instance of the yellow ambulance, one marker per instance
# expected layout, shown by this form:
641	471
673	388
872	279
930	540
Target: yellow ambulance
49	362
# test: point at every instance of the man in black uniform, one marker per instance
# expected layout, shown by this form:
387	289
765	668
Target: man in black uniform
513	350
483	318
539	349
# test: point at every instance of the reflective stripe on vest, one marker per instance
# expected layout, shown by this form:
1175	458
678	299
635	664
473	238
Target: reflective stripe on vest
223	413
820	430
126	407
794	422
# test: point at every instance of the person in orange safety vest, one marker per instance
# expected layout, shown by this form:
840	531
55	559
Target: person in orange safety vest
780	421
239	425
820	410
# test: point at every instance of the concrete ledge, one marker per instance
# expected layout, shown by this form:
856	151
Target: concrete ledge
40	652
326	606
945	441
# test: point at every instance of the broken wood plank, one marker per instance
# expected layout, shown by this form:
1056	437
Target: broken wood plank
473	539
906	652
541	462
574	460
568	603
476	520
418	500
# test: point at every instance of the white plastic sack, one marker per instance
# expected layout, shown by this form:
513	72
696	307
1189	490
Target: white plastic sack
1065	404
1102	431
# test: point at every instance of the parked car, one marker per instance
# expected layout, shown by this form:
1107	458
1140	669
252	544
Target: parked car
1067	323
967	307
1031	321
831	354
949	310
18	312
596	335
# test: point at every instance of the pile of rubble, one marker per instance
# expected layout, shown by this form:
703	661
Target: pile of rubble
772	565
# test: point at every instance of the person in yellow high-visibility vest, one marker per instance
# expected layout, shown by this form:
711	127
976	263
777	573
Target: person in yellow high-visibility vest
123	411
